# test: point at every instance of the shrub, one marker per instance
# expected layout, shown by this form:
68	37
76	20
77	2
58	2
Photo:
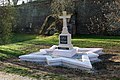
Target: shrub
6	23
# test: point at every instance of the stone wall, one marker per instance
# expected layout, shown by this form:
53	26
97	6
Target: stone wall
31	16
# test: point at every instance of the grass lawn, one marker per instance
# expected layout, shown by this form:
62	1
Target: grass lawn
21	44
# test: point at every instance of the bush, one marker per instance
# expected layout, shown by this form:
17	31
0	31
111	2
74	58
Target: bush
6	23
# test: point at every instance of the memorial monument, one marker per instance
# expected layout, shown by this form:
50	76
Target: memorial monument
65	36
65	54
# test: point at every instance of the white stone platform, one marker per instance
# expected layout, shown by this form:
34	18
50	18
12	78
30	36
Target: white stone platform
80	58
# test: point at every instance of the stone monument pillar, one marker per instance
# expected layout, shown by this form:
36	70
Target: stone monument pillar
65	36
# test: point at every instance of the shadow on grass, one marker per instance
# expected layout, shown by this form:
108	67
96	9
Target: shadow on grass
22	37
11	53
42	42
103	65
95	37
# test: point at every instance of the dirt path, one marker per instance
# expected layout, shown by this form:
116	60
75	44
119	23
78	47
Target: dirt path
7	76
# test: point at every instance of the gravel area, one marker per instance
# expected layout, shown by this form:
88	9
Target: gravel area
7	76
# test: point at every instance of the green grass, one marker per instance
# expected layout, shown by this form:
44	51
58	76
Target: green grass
24	44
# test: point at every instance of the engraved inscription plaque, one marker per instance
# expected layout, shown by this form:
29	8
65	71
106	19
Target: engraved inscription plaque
63	39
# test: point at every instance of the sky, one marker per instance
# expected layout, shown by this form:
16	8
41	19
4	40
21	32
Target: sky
20	1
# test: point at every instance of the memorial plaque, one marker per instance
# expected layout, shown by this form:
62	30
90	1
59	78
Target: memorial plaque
63	39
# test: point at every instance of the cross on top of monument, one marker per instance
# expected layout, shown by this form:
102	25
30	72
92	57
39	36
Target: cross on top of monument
64	17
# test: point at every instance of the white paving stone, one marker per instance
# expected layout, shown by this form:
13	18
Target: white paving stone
87	56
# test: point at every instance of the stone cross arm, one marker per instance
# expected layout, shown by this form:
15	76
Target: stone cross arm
64	15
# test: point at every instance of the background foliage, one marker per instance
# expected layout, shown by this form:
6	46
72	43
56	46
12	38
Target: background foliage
105	20
57	6
7	22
